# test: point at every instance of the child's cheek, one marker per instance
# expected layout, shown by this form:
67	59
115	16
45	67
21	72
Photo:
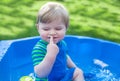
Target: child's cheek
44	36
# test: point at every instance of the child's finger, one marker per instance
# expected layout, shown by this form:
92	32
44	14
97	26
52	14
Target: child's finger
51	40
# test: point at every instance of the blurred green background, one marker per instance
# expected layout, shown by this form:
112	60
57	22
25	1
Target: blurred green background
93	18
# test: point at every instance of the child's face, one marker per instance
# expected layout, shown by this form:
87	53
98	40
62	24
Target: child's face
56	29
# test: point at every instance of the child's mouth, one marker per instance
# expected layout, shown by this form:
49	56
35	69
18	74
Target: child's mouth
54	38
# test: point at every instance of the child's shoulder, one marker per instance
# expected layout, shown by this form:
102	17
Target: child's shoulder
64	45
41	42
63	42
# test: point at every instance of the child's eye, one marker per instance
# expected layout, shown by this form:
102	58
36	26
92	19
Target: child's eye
46	29
58	28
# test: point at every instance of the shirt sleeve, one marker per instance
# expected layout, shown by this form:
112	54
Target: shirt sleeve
38	52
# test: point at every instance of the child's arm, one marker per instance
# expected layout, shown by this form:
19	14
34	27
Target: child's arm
78	73
70	63
43	69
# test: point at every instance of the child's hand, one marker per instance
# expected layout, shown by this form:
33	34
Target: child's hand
52	48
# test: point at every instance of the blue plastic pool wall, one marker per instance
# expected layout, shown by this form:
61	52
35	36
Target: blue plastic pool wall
17	61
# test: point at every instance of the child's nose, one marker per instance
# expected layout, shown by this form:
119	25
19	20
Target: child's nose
52	33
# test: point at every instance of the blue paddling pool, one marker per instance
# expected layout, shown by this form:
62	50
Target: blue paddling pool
99	59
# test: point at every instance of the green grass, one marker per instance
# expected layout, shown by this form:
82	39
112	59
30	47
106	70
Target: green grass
93	18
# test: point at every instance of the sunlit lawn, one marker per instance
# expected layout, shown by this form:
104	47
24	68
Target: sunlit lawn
94	18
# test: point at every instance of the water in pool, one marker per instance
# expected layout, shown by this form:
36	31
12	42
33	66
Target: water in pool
100	72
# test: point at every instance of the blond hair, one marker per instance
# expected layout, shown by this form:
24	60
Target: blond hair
52	11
